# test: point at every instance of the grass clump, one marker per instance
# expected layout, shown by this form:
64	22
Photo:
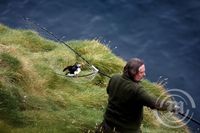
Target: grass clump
9	62
10	108
28	39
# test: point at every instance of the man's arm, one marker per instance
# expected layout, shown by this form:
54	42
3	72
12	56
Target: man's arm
153	102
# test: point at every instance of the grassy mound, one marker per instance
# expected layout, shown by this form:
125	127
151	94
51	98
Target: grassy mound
34	97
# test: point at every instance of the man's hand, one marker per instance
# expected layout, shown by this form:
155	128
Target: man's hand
173	107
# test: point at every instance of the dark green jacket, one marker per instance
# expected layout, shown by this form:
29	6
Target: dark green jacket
124	111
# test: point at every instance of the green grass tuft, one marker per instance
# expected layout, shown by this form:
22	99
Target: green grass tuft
9	62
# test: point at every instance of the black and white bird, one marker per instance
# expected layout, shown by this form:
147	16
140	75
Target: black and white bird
73	70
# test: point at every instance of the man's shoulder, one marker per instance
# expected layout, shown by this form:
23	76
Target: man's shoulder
120	78
116	76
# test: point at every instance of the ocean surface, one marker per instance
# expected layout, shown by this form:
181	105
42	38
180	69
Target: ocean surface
165	33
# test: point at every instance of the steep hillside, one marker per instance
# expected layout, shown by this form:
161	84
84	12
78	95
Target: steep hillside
36	97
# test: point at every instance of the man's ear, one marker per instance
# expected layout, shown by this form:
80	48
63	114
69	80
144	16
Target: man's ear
133	72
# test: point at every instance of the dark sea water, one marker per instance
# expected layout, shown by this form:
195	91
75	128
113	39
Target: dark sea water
165	33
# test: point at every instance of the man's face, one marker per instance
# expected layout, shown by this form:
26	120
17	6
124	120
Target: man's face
141	73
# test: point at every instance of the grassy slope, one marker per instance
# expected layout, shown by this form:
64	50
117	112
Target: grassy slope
33	98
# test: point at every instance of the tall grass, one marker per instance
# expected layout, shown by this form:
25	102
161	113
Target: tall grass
35	98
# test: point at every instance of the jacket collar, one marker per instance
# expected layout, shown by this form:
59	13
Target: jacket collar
129	78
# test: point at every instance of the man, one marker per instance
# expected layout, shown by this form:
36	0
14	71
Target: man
73	70
124	112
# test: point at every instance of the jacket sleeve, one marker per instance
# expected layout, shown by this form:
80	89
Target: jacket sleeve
151	101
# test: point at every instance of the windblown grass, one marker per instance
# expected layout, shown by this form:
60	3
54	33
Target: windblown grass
34	98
